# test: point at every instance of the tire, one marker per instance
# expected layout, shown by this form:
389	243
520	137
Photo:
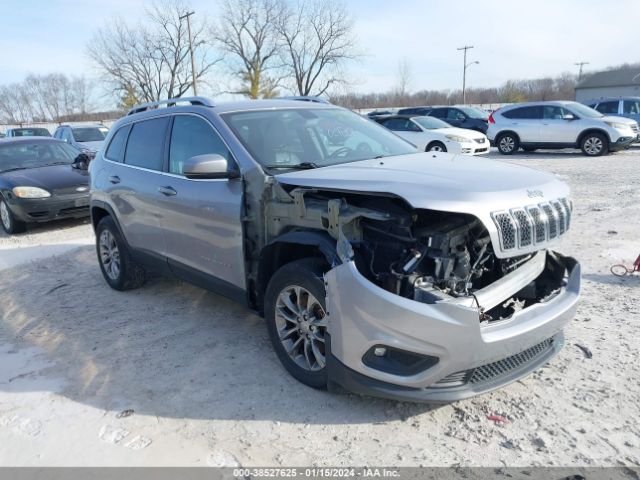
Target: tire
8	220
507	143
594	144
299	330
436	147
529	149
118	269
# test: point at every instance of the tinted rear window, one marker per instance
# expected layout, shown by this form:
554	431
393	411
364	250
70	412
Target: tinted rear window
524	113
115	151
146	144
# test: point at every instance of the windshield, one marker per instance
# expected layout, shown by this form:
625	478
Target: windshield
430	123
314	137
584	111
31	132
474	112
90	134
29	154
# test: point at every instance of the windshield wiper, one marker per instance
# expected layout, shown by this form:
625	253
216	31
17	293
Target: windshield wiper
55	163
297	166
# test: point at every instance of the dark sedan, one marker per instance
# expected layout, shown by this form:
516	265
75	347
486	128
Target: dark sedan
41	179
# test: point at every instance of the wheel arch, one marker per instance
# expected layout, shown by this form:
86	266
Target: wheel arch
504	132
289	247
593	130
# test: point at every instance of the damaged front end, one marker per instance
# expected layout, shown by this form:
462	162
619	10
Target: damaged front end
421	305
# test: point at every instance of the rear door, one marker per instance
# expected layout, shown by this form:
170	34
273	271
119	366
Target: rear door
201	218
133	183
525	121
556	128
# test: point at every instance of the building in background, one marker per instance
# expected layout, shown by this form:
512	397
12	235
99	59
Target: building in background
622	82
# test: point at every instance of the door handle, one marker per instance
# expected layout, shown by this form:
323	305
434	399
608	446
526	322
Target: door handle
114	179
167	191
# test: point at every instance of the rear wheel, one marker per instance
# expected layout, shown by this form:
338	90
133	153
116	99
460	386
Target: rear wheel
507	143
594	144
118	269
436	147
8	220
295	312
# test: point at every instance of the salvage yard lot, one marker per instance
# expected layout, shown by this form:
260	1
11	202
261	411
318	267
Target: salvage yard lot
206	388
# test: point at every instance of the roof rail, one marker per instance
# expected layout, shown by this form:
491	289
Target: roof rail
171	102
305	98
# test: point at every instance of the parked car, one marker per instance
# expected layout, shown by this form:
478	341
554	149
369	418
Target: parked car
628	107
39	182
431	134
379	113
388	271
457	116
87	138
27	132
559	125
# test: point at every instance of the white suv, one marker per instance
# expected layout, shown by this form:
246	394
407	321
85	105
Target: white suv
559	125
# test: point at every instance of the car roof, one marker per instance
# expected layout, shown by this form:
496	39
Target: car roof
8	140
610	99
406	116
540	103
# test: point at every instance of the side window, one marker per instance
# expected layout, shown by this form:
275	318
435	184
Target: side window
146	144
454	114
552	113
631	107
401	125
115	150
608	107
193	136
439	112
524	113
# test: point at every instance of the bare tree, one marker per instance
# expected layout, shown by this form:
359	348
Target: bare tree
404	76
151	61
318	41
247	33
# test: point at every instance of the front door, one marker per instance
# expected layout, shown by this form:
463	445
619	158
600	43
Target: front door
559	125
201	218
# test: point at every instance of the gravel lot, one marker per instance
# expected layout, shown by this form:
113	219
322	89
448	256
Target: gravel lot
173	375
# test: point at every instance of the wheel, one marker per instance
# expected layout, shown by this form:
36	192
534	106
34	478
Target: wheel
436	147
507	143
529	149
118	269
619	270
594	144
296	320
9	222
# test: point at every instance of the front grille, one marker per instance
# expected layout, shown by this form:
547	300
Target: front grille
495	370
73	190
533	225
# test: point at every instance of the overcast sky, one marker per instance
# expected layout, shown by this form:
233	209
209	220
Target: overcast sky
512	38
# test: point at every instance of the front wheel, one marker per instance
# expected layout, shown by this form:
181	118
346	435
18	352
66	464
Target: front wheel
9	222
295	312
436	147
594	145
508	143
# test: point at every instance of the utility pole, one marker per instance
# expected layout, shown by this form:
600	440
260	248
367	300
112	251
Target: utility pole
193	62
464	71
580	65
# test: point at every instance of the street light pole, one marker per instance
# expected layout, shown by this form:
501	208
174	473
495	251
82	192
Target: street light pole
193	62
464	72
580	65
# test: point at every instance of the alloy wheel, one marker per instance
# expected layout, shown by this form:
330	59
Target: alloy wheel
110	255
5	216
507	144
301	323
593	145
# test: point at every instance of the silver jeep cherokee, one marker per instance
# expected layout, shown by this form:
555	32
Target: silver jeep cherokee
406	275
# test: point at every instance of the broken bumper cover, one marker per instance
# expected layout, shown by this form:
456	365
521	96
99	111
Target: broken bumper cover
471	358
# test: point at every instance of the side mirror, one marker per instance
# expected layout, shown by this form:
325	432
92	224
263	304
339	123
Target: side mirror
208	166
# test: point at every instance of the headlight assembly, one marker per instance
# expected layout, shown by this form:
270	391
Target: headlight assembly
456	138
620	126
30	192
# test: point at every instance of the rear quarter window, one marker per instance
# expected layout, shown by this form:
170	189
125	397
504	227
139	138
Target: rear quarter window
115	150
524	113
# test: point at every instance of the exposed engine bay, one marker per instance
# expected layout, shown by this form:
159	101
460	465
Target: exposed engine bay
425	255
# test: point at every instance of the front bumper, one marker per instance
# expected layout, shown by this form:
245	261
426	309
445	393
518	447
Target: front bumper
623	142
51	208
468	148
501	352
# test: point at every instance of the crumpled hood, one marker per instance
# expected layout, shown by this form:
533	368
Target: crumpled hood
444	182
438	181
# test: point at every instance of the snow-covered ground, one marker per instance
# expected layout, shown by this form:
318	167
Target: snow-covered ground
172	375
